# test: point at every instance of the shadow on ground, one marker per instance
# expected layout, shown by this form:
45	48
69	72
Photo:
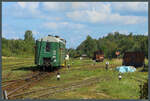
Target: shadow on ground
33	68
28	68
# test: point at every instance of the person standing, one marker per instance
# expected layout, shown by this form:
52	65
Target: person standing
107	65
94	62
66	59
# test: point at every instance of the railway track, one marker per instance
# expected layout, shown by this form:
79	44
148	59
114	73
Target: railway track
8	82
57	89
23	77
84	65
18	86
18	60
17	65
70	87
4	79
139	80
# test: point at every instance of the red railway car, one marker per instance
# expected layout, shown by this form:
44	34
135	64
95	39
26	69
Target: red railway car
98	56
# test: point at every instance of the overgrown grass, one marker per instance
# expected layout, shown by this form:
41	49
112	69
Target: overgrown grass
80	70
127	88
11	67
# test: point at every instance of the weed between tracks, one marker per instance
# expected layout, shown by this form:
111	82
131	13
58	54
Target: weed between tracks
14	68
127	88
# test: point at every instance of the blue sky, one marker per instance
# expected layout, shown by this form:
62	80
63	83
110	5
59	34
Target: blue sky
73	21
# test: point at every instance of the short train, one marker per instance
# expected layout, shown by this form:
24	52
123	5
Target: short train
50	52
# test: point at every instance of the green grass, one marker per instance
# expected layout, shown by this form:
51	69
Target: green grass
11	67
127	88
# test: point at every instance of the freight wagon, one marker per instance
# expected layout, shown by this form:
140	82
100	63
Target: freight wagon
135	59
98	56
50	52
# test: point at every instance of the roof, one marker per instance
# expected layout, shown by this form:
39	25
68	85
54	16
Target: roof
52	39
137	53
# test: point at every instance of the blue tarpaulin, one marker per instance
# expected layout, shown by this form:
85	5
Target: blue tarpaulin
124	69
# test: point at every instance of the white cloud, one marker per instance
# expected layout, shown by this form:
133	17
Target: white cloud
26	10
33	6
71	6
98	16
146	33
50	25
130	6
53	6
95	12
33	10
79	5
59	25
102	7
117	18
22	4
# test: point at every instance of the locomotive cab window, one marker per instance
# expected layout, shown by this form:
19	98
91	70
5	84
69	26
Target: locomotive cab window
47	47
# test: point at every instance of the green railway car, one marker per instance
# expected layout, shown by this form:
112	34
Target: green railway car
50	52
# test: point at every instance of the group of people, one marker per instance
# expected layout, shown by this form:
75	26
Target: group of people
68	65
107	67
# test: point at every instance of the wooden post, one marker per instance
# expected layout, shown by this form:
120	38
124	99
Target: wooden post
5	94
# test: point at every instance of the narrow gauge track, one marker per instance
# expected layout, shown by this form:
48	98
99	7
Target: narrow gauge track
71	87
18	60
139	80
92	68
10	73
84	65
6	86
57	89
21	85
23	77
16	65
33	70
89	67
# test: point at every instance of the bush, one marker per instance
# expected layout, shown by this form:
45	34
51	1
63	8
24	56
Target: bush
144	91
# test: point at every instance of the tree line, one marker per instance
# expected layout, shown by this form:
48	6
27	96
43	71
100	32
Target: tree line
110	44
19	47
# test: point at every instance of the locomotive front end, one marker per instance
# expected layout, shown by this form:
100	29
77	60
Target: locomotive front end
49	52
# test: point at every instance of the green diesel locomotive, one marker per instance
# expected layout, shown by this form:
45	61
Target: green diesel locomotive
50	52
